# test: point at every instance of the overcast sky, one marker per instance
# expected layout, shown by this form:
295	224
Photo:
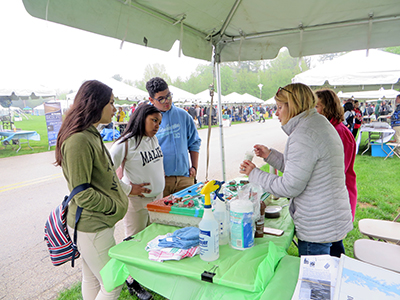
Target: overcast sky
34	50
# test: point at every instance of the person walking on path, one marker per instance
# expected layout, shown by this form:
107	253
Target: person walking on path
262	112
83	157
357	118
177	136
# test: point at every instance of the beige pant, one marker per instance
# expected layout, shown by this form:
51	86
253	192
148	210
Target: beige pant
175	184
137	216
397	134
94	253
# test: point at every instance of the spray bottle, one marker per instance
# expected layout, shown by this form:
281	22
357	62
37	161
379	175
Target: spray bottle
221	216
209	234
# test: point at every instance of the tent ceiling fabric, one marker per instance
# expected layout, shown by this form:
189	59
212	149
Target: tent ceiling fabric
239	30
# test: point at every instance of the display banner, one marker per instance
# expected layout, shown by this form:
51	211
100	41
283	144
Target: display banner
53	115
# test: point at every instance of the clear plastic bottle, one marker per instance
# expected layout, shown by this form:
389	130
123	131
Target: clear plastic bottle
209	234
221	216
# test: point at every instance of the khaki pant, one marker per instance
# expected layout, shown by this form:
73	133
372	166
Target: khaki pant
94	253
137	216
175	184
397	136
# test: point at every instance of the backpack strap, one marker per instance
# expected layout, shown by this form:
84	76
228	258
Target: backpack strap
75	191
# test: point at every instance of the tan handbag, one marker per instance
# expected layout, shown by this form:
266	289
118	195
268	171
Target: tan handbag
120	170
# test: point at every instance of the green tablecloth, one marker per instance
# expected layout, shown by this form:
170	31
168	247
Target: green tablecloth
240	275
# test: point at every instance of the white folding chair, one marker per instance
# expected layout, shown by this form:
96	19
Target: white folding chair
392	147
377	253
381	229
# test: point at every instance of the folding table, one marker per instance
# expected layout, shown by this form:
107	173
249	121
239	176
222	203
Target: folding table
18	135
255	273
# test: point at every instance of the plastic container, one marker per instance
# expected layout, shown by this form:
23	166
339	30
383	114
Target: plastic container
221	216
379	150
260	222
241	224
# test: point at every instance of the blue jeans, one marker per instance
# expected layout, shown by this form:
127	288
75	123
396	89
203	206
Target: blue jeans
337	248
309	248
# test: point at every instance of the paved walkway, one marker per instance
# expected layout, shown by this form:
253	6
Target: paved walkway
30	187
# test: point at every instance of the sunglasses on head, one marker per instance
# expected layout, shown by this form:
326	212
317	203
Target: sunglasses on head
283	89
162	99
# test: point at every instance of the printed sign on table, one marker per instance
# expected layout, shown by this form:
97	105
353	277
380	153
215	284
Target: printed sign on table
53	115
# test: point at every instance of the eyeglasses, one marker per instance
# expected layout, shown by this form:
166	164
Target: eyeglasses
163	99
283	89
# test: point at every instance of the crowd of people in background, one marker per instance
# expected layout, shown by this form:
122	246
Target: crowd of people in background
201	114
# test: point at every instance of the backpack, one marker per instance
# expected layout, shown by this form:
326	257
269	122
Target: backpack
59	243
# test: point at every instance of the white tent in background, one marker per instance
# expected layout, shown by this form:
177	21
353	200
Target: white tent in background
13	89
355	71
270	101
234	98
253	99
121	90
181	96
204	98
366	95
39	110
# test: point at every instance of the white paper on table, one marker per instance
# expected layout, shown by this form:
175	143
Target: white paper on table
360	280
317	277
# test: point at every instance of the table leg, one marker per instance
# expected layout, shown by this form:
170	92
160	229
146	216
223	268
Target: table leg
29	145
19	144
368	143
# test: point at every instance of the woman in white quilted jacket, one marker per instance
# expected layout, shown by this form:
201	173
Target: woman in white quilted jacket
313	172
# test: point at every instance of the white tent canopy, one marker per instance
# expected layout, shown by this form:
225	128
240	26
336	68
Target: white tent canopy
204	98
253	99
235	30
380	94
270	101
121	90
39	110
233	98
239	30
355	70
13	89
182	96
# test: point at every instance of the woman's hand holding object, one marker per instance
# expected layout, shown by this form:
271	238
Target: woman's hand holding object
246	167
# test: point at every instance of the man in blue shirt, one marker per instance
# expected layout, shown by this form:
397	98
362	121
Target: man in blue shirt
177	136
395	120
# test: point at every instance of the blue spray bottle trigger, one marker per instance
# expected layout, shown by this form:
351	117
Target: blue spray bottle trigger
216	192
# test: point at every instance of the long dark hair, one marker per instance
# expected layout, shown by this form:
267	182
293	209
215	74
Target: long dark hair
88	106
137	124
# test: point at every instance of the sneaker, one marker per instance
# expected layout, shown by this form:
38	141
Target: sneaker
135	288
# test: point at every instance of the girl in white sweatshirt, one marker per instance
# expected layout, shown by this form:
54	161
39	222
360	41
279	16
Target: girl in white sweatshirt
143	172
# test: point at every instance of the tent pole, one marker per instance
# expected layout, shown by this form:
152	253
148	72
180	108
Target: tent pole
221	132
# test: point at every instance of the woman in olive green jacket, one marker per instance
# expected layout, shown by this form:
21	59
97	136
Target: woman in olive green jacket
84	159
